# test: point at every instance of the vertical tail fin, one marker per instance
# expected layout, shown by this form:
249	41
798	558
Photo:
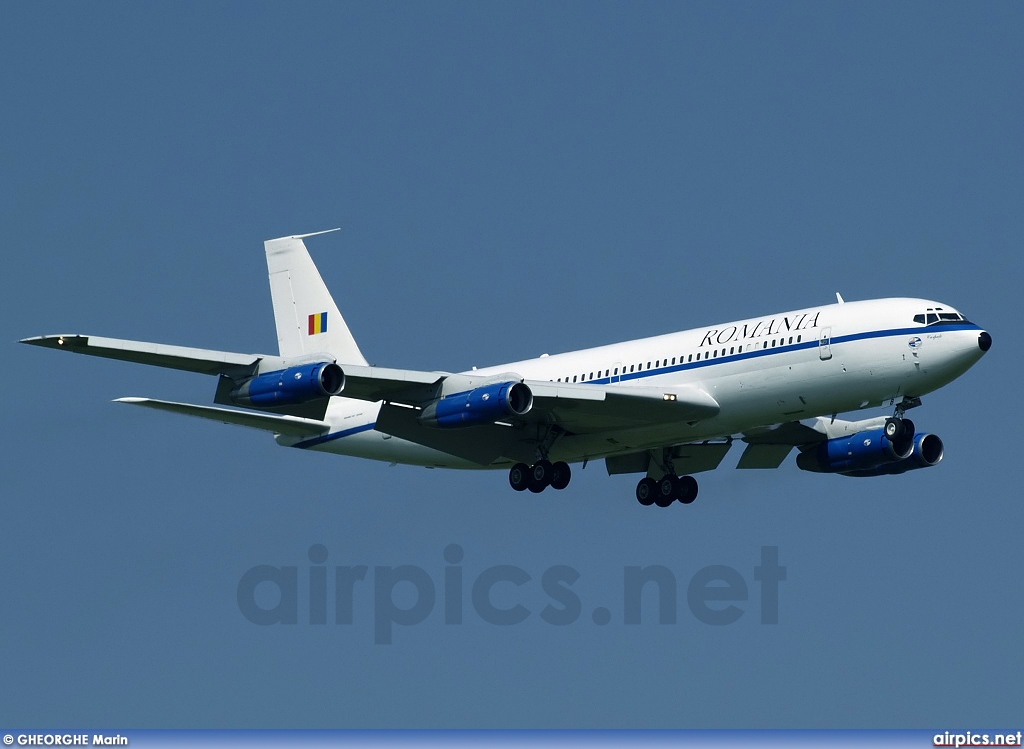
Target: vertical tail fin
307	318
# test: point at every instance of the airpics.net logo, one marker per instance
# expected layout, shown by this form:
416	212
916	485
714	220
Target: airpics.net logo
407	595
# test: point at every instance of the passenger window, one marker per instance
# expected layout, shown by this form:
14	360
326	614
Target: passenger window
673	360
799	338
616	370
574	378
630	367
689	358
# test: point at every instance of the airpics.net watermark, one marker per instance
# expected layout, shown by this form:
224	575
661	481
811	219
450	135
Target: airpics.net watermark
270	594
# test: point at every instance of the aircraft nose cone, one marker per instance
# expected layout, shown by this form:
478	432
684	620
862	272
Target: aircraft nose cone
984	341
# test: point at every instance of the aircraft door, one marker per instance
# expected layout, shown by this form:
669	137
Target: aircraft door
616	374
825	344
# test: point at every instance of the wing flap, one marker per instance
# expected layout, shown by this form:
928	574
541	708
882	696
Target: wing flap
480	444
291	425
599	408
764	456
686	459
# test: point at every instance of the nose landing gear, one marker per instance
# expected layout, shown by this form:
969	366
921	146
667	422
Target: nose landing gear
898	425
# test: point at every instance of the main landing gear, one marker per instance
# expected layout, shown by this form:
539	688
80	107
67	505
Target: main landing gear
539	476
669	489
897	427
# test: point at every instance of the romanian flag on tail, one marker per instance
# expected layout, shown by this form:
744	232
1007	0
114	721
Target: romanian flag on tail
318	323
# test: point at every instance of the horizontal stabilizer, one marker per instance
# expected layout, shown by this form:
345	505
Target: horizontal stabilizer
291	425
198	360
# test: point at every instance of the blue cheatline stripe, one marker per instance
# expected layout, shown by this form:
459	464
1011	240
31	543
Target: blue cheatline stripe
811	344
334	436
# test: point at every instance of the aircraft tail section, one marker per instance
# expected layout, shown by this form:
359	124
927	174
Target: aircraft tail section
306	316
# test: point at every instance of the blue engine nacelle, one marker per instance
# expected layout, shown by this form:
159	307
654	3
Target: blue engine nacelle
927	452
484	405
861	452
292	386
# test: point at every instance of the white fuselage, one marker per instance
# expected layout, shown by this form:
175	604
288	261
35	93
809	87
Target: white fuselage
786	367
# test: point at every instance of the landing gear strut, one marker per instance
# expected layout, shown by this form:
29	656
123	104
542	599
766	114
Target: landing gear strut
669	489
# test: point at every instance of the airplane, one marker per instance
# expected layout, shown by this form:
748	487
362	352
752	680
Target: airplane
666	407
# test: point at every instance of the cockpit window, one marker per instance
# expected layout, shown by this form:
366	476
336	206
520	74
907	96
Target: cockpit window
937	316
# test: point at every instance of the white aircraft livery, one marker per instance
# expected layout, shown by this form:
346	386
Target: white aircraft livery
665	407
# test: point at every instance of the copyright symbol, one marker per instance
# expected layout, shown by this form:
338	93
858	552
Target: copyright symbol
8	739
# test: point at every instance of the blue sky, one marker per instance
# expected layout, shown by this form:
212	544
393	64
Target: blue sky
510	179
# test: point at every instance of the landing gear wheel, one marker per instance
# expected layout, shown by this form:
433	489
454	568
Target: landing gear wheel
560	475
519	476
668	490
687	489
909	428
893	429
646	491
541	474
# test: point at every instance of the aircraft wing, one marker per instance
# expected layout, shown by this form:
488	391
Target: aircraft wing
768	446
406	386
585	409
202	361
576	409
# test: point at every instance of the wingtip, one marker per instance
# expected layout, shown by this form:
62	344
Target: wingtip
316	233
55	340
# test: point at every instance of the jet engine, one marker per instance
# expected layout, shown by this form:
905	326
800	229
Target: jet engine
288	387
861	452
482	405
927	453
